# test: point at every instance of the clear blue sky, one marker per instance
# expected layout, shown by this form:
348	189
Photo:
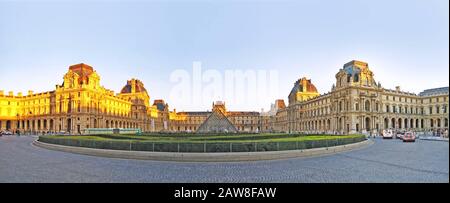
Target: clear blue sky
405	42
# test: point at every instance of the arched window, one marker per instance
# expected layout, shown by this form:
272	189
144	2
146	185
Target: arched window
356	78
367	105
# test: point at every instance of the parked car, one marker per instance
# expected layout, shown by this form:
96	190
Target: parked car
399	135
5	132
387	134
409	137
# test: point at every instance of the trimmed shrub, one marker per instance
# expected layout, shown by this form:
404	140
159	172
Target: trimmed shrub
287	146
199	147
332	143
103	145
87	143
192	147
119	145
319	143
218	147
301	145
142	146
266	146
243	147
308	144
166	147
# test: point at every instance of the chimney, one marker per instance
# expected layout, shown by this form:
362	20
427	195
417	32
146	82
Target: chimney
19	94
11	93
2	93
397	88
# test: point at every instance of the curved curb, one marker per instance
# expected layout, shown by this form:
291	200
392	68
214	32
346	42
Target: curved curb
205	157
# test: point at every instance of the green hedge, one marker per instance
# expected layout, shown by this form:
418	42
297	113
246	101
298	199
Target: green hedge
133	145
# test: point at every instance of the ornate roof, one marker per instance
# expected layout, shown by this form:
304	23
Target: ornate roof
133	86
160	104
279	103
303	85
434	91
359	64
83	71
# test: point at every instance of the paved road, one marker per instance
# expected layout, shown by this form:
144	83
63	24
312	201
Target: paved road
384	161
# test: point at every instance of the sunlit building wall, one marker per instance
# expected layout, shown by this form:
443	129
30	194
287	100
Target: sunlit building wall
81	103
355	104
358	104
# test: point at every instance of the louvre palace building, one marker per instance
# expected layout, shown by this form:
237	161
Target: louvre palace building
356	104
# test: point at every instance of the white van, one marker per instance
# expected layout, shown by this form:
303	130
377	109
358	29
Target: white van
387	134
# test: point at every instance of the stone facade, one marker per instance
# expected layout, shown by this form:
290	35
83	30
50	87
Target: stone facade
358	104
80	103
355	104
243	121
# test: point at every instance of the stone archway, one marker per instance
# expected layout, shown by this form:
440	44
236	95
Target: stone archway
8	125
367	124
52	127
45	125
328	124
69	125
38	125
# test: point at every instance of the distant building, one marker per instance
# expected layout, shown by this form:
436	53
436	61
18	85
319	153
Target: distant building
243	121
355	104
81	103
358	104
